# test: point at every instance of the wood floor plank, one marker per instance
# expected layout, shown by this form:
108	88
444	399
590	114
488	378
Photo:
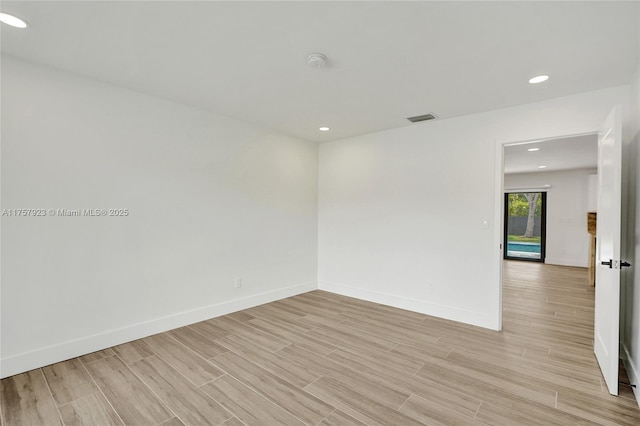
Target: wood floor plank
370	387
313	321
610	410
296	401
248	339
428	413
182	397
350	304
484	346
133	400
240	316
494	415
543	371
338	418
173	422
26	400
68	381
484	385
294	372
404	329
417	354
292	334
233	421
515	373
183	359
522	412
199	343
245	404
399	335
321	312
244	333
88	411
431	390
393	360
272	310
209	329
94	356
355	404
343	339
275	325
132	351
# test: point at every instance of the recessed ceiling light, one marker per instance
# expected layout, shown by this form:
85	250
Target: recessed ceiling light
324	129
542	167
13	21
533	149
538	79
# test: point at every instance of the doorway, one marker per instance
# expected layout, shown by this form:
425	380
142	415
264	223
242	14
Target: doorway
561	222
525	215
538	165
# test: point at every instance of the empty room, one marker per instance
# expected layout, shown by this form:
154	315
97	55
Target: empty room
311	213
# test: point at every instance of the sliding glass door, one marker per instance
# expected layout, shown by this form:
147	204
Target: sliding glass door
524	223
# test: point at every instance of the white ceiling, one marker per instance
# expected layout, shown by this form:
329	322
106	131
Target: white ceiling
570	153
388	60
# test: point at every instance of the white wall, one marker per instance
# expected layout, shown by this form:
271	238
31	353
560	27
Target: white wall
210	199
567	240
401	212
400	220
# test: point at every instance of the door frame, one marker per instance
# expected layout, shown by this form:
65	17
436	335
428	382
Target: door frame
499	191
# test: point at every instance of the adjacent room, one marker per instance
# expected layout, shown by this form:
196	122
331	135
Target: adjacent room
314	212
550	186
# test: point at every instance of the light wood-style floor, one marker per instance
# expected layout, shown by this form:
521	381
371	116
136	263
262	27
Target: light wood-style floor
323	359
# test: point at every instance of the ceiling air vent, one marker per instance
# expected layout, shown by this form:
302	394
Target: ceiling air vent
419	118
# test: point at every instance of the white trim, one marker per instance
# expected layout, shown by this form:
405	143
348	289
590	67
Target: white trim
633	371
548	138
498	219
26	361
421	306
544	188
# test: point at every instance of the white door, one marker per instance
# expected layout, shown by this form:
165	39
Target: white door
607	304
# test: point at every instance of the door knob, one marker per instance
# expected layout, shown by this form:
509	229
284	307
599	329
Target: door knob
609	263
624	264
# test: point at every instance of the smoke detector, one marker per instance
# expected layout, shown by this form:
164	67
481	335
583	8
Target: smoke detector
317	60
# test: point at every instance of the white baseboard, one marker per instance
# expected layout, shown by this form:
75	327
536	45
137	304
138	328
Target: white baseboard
60	352
565	262
633	371
421	306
